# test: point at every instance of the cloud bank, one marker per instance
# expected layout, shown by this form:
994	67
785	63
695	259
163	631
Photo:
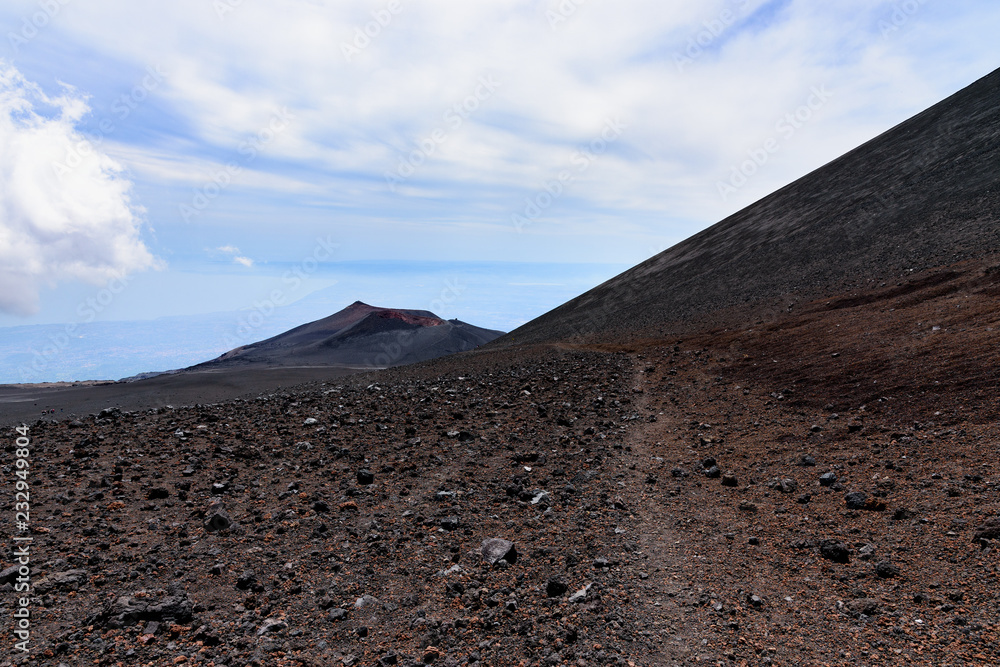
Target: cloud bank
66	211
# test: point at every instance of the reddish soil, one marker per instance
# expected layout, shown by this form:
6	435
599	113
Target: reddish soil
683	566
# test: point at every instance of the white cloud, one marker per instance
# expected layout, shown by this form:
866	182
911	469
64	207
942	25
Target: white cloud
66	211
687	126
238	257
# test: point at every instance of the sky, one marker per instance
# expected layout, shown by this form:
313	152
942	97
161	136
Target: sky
200	156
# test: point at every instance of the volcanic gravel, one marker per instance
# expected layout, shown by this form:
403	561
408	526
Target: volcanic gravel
817	488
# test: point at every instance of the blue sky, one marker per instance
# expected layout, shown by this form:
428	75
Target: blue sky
194	150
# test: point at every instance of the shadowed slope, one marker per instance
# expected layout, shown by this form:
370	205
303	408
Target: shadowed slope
923	194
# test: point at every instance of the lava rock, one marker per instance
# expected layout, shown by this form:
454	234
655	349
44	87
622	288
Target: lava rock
827	479
989	530
246	580
835	551
863	606
856	500
886	570
365	477
496	549
123	611
217	519
555	588
271	626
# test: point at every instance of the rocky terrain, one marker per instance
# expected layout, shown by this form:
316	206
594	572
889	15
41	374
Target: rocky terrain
807	490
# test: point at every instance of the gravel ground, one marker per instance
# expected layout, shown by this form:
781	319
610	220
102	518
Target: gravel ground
742	496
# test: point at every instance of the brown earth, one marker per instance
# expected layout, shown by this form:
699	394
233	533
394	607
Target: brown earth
891	389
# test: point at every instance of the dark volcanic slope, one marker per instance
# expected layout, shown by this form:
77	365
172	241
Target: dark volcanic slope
361	336
920	195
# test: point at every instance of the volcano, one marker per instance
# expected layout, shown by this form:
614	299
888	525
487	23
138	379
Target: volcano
361	336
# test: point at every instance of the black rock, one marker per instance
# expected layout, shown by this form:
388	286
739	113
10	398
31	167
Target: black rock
246	579
785	485
806	460
729	480
856	500
450	523
713	472
120	612
157	493
827	479
886	570
217	519
989	530
338	614
555	588
365	477
835	551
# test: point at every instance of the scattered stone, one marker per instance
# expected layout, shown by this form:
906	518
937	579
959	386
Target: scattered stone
496	549
856	500
217	519
71	580
835	551
863	606
246	580
555	588
785	485
827	479
123	611
157	493
580	595
886	570
365	477
271	626
989	530
338	614
807	460
729	480
365	601
713	472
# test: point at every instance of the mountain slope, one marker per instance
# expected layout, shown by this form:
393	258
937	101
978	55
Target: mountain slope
361	336
922	194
